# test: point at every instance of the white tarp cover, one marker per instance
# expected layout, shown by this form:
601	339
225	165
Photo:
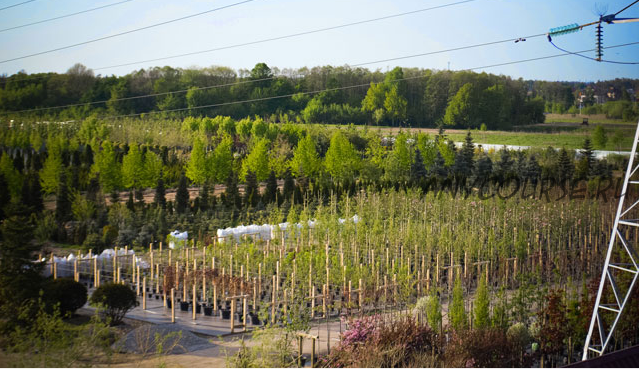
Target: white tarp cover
176	238
267	231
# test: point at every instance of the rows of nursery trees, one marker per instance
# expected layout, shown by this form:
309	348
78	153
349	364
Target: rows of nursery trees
400	97
80	168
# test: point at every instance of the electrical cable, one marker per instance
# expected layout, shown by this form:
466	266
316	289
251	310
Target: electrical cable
628	6
344	87
233	46
271	78
18	4
65	16
126	32
589	58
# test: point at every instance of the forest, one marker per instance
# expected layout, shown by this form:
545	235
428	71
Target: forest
404	97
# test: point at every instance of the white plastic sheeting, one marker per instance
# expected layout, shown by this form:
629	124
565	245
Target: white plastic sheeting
177	238
65	265
268	231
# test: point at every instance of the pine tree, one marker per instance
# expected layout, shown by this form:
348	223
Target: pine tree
481	308
251	190
204	197
5	198
271	189
418	170
503	168
456	310
50	172
288	185
159	194
565	167
438	167
483	169
32	193
196	167
130	201
433	312
182	195
533	170
232	197
63	201
587	161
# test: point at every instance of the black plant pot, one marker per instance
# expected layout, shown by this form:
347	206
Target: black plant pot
225	314
157	297
198	308
207	310
149	295
184	306
255	319
169	303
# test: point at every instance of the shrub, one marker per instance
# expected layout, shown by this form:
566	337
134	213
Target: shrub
114	301
485	348
68	294
93	242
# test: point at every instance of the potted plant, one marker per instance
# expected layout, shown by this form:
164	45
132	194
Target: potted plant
207	310
184	305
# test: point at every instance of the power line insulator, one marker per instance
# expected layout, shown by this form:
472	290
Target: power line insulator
598	43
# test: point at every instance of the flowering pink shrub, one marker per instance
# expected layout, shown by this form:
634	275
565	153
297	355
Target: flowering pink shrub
360	330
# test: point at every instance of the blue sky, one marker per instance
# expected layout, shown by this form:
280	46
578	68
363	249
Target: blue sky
459	25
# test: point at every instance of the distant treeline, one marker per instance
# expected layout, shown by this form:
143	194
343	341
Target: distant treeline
401	97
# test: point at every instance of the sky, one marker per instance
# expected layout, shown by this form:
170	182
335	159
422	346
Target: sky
463	24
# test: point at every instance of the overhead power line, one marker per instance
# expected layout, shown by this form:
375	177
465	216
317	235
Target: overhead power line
275	77
126	32
18	4
65	16
318	30
346	87
589	58
628	6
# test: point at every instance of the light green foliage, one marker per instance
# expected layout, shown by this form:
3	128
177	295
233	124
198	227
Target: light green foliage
375	97
259	128
433	311
50	172
196	167
305	161
462	108
133	167
220	162
257	161
481	309
599	136
456	310
399	161
395	104
341	160
48	341
152	168
82	209
107	168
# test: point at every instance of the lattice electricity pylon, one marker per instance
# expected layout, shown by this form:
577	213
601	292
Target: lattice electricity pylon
621	267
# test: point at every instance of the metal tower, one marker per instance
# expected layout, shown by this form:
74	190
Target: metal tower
621	269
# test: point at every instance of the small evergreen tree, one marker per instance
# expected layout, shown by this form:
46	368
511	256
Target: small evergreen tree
232	197
182	195
438	167
5	198
271	189
251	190
433	312
32	193
63	202
482	305
483	169
130	201
204	197
533	170
159	194
288	185
586	165
565	167
599	136
457	310
418	170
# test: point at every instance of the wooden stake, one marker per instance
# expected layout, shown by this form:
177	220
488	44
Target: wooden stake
144	293
173	306
194	302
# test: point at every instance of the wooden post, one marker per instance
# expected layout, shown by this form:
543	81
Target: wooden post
144	294
55	270
273	298
97	278
95	272
76	270
233	311
325	292
313	301
138	281
244	313
360	294
194	302
214	295
118	275
173	306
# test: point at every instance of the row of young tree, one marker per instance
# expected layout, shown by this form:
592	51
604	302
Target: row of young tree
402	96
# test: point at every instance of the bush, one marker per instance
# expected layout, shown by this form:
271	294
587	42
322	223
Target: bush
114	301
94	242
484	348
68	294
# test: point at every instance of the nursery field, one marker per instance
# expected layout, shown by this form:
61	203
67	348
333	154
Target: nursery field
400	247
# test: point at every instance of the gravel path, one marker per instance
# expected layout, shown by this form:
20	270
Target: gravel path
163	338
